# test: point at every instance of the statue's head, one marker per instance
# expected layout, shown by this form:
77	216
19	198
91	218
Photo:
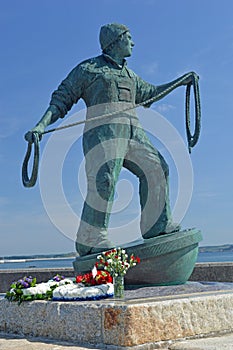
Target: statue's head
111	34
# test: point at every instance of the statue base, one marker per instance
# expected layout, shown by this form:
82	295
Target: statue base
147	318
165	260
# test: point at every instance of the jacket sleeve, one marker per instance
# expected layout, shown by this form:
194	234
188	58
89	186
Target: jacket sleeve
144	91
68	92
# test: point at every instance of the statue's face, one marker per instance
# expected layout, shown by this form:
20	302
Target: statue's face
125	45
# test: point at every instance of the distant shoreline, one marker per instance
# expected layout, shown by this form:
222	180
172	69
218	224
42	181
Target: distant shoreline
18	260
217	248
26	258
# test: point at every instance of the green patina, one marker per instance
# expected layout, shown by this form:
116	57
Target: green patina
108	86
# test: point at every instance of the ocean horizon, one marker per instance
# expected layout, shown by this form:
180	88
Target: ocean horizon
11	264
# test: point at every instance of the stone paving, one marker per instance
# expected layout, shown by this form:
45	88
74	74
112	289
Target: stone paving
7	342
216	343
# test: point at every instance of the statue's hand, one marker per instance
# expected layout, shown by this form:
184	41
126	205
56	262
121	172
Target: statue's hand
189	79
39	129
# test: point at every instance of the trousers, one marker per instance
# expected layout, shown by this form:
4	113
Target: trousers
108	148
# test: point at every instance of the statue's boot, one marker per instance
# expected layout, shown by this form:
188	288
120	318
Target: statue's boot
171	227
104	245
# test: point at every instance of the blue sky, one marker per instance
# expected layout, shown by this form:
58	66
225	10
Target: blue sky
41	41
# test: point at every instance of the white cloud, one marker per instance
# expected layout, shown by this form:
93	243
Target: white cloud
163	107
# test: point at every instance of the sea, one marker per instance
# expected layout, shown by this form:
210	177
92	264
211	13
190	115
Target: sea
68	262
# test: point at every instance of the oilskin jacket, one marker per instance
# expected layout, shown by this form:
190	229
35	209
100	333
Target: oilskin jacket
100	80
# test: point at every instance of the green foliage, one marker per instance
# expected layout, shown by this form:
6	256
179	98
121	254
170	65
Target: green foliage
16	291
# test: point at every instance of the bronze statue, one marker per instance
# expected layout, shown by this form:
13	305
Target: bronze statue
110	88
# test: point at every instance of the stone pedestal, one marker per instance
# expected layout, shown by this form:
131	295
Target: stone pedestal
145	319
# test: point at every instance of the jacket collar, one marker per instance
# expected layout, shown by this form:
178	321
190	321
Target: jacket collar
111	60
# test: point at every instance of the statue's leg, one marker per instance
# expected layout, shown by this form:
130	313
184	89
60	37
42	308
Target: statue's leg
104	162
152	170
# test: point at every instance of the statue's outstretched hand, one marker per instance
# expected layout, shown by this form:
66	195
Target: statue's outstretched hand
39	129
189	78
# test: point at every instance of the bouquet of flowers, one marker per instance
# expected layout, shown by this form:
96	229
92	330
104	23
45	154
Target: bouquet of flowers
94	278
16	289
116	261
90	286
26	289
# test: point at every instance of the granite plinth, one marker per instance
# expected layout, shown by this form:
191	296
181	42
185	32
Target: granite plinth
145	318
165	260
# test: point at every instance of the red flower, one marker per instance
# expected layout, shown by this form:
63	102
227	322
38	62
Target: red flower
138	259
79	278
102	277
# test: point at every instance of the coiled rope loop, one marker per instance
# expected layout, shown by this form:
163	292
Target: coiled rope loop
30	182
192	139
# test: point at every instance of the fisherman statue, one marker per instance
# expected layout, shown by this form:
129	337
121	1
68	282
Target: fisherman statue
110	89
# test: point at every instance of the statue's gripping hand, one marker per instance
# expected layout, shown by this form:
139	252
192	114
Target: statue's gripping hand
39	129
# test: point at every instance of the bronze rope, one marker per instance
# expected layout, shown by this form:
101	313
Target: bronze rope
192	139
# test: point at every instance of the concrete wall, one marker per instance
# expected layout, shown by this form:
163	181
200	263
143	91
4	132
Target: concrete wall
216	272
42	275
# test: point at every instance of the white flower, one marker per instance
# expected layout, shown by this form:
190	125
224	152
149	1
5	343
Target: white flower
94	271
123	251
65	281
109	261
69	292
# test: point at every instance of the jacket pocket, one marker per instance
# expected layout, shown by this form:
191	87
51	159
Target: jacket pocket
124	92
